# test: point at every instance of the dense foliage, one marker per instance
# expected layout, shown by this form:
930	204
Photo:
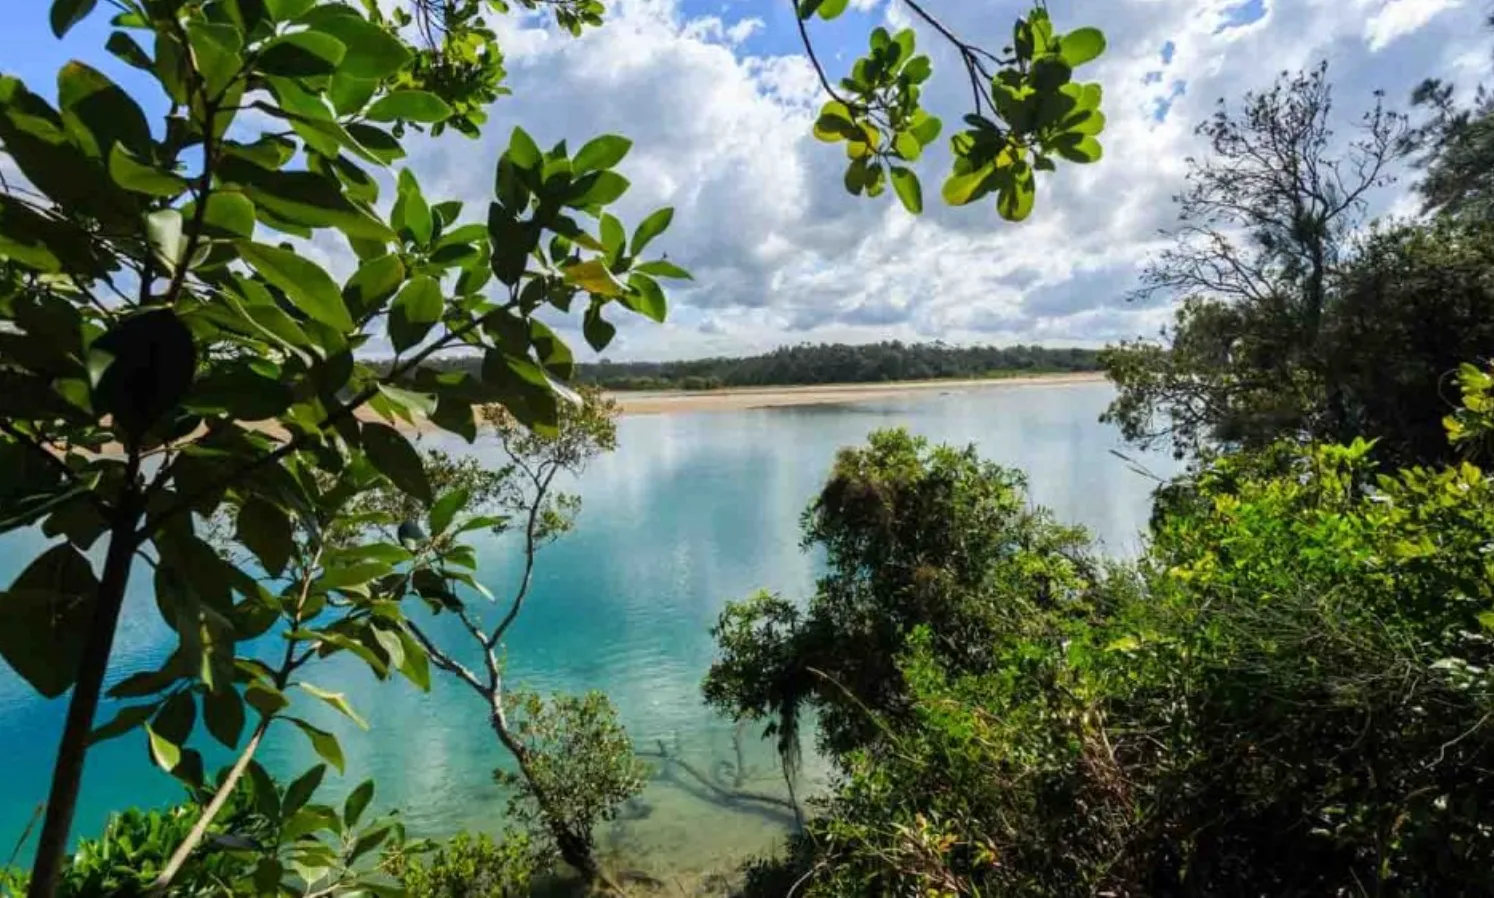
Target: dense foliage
835	363
1288	694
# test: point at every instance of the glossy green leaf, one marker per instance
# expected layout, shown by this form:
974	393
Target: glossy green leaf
357	801
649	228
962	189
338	701
663	268
67	13
127	719
223	713
523	151
310	288
417	308
372	53
302	54
287	10
127	50
905	182
598	189
832	9
299	792
445	510
107	112
596	329
163	752
1081	46
601	153
394	457
372	284
131	174
44	619
229	214
266	531
409	106
646	297
324	743
1081	148
412	217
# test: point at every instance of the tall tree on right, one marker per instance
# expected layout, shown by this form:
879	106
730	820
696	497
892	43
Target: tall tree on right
1265	223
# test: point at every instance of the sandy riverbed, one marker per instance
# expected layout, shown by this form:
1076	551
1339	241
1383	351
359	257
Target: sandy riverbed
650	403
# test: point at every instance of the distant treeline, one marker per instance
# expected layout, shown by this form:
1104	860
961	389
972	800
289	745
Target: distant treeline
825	363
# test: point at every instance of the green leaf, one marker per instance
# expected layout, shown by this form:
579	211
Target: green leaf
926	128
148	361
417	308
356	801
416	666
1015	199
412	217
408	400
614	237
229	214
302	54
600	153
597	189
107	112
444	511
409	106
305	198
394	457
596	329
353	575
337	700
288	10
832	9
124	47
127	719
663	268
223	712
1081	148
265	530
301	789
905	182
324	743
523	152
164	229
1081	46
646	297
372	53
166	754
67	13
907	146
310	288
133	175
836	123
966	188
649	228
372	284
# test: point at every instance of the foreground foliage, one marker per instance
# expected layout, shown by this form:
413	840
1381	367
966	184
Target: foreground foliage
1288	694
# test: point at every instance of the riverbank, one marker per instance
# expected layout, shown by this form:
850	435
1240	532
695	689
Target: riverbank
737	398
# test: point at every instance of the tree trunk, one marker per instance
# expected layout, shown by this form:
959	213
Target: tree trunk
67	771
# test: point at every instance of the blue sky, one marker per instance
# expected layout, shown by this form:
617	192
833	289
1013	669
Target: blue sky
718	101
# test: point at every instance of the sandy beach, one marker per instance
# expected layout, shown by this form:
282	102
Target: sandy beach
662	402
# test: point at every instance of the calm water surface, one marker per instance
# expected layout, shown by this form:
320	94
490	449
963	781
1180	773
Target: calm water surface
692	510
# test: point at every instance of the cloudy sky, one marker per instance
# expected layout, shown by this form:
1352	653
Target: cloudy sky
719	101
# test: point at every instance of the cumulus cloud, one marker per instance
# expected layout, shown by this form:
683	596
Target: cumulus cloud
719	104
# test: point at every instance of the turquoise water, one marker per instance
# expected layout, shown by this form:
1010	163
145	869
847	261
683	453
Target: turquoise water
693	509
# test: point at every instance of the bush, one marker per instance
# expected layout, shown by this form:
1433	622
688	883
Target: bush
468	866
1287	695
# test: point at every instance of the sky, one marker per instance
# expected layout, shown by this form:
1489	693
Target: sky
718	99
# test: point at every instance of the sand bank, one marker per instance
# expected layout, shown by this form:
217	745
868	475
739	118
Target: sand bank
652	403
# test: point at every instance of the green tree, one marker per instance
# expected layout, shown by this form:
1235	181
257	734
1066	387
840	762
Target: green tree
914	536
575	762
1265	223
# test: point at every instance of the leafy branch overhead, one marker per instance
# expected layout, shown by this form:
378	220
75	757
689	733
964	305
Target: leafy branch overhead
1027	109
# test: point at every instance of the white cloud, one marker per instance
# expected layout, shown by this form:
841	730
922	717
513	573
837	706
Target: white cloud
781	253
1401	17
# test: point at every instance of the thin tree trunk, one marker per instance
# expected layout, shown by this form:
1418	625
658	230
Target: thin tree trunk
67	771
209	813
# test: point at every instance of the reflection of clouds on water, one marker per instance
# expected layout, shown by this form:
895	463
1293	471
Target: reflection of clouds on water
693	510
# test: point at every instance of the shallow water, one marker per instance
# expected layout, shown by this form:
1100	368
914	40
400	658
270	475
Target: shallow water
693	510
